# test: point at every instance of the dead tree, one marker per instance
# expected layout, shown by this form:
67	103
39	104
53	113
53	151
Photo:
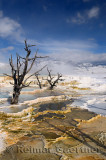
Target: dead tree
53	80
19	72
39	82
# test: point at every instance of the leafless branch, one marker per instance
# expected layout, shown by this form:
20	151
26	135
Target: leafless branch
34	73
19	72
50	78
7	75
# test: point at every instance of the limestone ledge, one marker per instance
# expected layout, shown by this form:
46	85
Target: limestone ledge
30	108
25	112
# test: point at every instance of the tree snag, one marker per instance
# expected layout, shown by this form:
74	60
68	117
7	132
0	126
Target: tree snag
53	80
38	80
21	69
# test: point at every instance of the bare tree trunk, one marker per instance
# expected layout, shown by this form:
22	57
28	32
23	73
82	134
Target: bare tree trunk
51	80
19	72
39	82
15	97
51	87
16	93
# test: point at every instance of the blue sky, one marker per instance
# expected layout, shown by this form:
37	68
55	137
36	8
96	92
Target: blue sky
60	28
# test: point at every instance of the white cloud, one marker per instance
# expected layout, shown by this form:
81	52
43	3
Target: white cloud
66	56
4	68
78	19
4	50
93	12
61	46
84	17
2	64
10	28
4	56
4	53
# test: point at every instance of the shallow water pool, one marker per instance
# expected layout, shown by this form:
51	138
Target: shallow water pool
95	103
